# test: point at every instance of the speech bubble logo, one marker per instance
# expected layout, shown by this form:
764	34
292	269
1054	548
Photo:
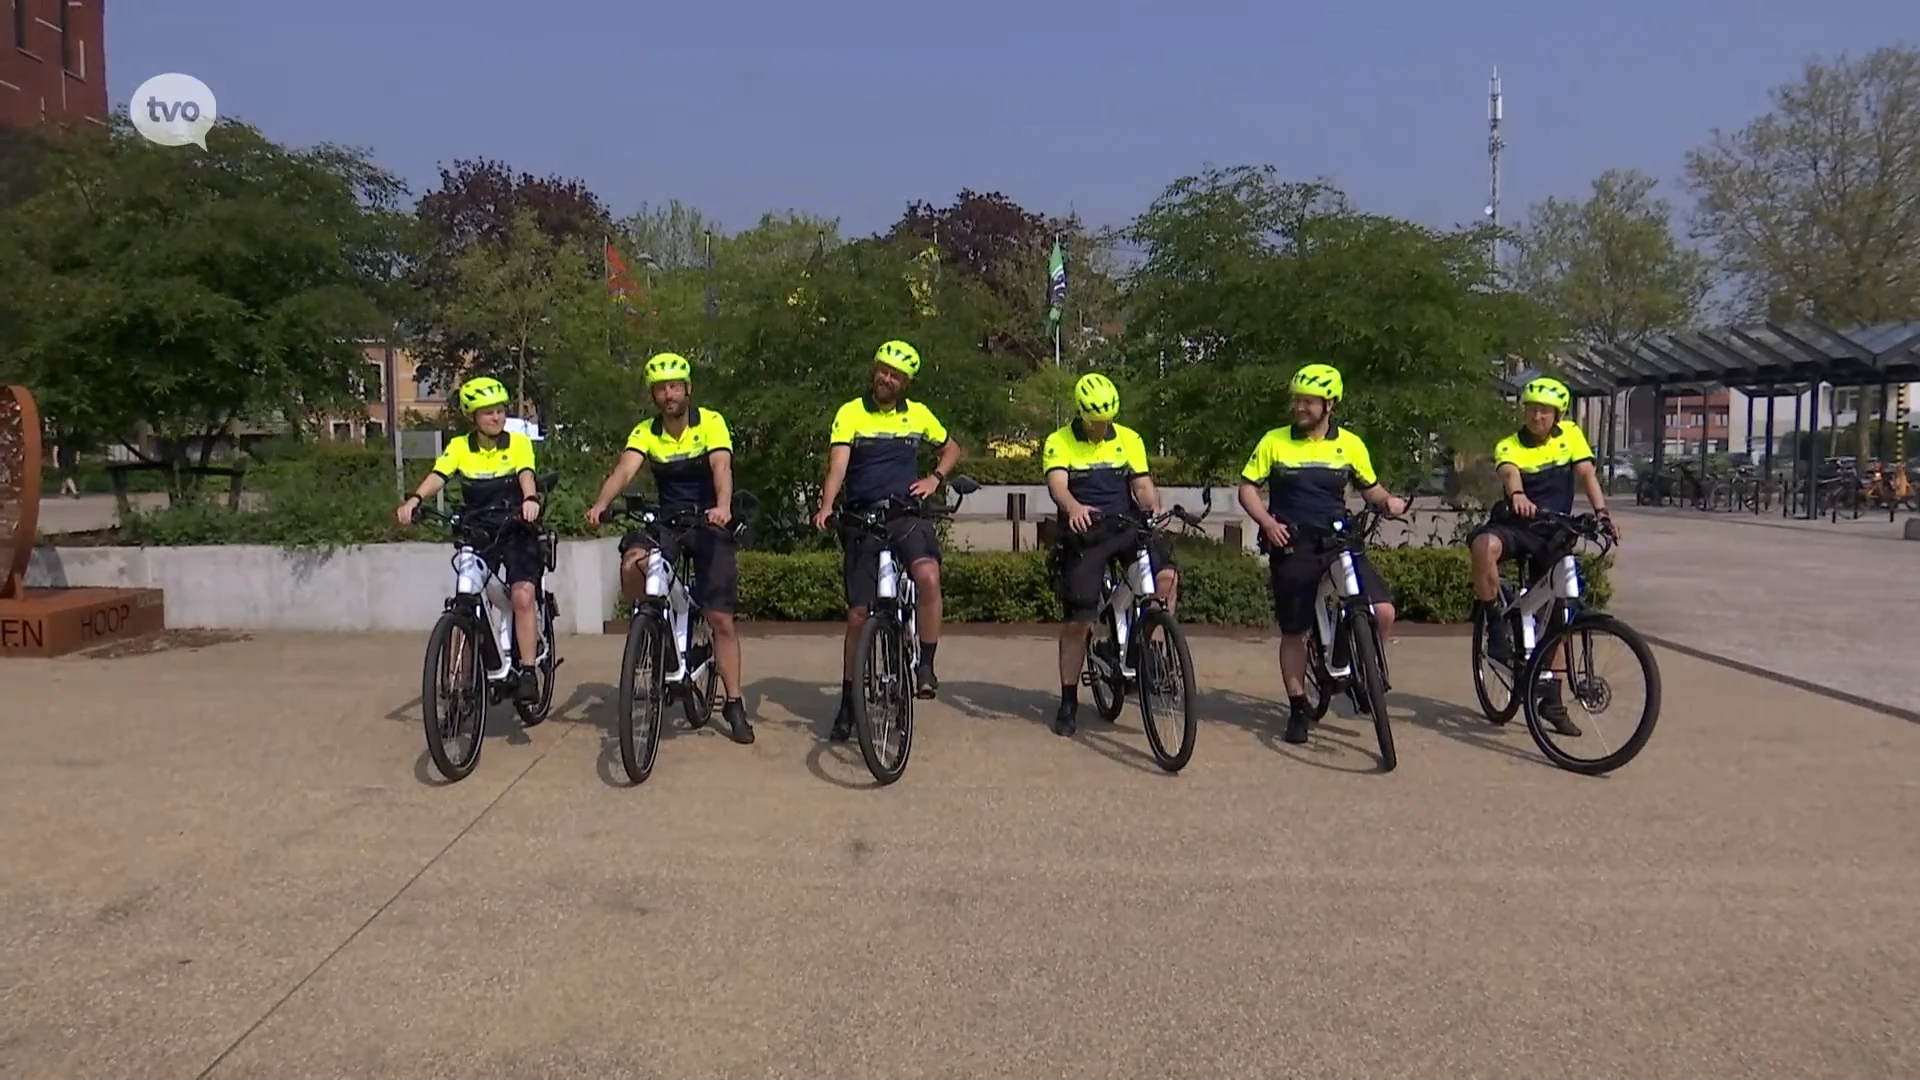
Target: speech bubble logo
173	110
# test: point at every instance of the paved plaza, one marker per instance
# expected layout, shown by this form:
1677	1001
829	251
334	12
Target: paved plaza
234	861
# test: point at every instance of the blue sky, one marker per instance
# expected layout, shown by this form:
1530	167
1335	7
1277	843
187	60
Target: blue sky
851	109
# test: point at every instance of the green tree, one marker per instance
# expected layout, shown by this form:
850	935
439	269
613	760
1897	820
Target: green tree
477	204
1814	207
181	291
544	303
1610	265
782	366
1246	278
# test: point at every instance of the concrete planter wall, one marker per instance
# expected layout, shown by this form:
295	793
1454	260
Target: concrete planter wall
377	587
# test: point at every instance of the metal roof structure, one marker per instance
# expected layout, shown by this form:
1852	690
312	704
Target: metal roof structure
1758	356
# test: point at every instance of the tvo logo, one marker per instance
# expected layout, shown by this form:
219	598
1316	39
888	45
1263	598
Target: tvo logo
174	110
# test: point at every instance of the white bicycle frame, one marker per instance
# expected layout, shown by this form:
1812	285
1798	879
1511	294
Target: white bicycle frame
664	584
1340	582
1562	582
471	578
895	585
1119	595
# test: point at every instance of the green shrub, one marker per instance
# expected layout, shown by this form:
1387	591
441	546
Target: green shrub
1221	587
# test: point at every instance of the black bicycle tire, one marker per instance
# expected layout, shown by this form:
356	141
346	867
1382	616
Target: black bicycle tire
1476	656
1116	703
534	713
698	715
1650	716
1170	761
646	637
884	773
437	644
1367	667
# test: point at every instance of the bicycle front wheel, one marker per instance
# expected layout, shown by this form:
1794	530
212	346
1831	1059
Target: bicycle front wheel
1602	672
643	692
883	697
453	696
1370	677
1167	706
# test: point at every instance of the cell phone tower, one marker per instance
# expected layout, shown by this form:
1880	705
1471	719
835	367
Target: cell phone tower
1495	144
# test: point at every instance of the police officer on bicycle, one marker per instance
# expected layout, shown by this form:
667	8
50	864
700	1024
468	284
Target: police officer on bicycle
1307	468
874	453
691	452
1095	466
1539	466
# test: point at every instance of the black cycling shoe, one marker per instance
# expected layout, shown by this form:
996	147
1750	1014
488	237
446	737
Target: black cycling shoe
1554	711
842	723
1297	723
924	682
735	711
525	689
1067	720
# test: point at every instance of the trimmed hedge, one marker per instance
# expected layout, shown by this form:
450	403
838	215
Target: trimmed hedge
1431	585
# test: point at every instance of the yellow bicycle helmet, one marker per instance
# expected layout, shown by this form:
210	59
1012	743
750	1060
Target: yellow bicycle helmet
1549	392
668	367
481	393
1097	397
1317	380
899	356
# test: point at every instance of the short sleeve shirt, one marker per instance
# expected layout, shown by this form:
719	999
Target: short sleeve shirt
1099	474
1546	465
1306	478
679	462
488	475
885	443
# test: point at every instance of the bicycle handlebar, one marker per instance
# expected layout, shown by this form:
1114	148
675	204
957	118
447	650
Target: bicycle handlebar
481	526
639	511
875	516
1590	527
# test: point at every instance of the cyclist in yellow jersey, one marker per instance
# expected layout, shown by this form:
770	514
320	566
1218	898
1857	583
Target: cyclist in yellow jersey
1539	466
874	453
495	467
691	452
1096	466
1307	468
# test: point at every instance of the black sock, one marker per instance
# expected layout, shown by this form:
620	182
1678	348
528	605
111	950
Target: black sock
1297	702
846	690
926	652
1069	693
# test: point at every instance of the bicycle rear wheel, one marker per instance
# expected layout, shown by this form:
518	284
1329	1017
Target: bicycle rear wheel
643	692
1109	686
1494	681
696	698
454	696
532	713
1370	677
883	697
1319	685
1166	688
1566	660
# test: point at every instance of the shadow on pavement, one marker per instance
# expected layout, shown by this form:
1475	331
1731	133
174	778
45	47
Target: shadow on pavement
502	723
812	706
1333	744
1464	724
992	701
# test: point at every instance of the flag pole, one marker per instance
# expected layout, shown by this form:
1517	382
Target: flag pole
606	274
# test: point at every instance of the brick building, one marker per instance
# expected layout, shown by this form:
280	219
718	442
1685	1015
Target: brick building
53	64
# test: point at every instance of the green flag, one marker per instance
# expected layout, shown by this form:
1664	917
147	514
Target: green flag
1056	286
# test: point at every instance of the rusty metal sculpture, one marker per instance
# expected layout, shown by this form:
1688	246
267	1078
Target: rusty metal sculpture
20	466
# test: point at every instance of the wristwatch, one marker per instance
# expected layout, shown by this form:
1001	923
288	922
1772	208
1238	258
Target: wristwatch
940	476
